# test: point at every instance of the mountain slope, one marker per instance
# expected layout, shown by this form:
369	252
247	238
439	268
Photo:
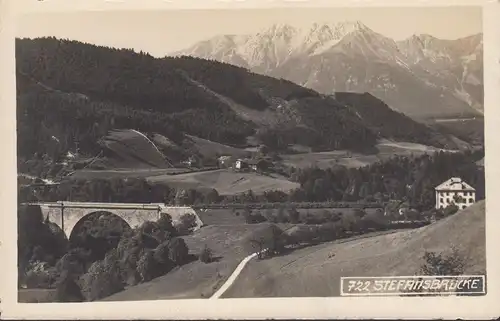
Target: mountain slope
72	92
421	76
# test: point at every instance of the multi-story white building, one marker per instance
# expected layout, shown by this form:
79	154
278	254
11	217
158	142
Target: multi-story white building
455	191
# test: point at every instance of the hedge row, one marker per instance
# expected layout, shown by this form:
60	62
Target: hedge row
303	205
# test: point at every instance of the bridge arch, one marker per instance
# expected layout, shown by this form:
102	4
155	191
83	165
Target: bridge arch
116	225
99	232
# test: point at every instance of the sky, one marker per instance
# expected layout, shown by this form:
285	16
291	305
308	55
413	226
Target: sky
160	32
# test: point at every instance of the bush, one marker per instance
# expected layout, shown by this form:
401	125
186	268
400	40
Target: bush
161	256
187	223
67	290
206	255
40	275
147	267
450	210
74	263
269	237
129	251
103	278
178	251
165	223
442	264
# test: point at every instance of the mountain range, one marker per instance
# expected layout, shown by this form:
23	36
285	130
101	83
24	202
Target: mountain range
70	92
421	76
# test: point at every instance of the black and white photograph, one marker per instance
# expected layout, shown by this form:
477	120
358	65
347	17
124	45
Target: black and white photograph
293	152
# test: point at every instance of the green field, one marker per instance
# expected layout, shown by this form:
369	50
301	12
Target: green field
229	217
386	150
316	270
226	182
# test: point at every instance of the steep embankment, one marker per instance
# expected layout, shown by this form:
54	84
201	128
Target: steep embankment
316	271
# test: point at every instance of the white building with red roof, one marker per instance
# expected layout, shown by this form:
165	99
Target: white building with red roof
455	191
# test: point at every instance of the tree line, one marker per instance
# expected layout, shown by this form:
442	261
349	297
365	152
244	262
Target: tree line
400	178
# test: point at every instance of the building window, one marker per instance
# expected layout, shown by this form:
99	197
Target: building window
471	200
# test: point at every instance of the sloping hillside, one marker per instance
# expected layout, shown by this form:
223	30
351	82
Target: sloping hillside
79	92
377	115
134	149
316	271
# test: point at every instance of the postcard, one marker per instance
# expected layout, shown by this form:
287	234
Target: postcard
250	160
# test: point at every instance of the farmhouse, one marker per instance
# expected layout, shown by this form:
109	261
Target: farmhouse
224	161
240	164
455	191
253	164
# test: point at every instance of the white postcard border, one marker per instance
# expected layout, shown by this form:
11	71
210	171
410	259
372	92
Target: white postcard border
480	307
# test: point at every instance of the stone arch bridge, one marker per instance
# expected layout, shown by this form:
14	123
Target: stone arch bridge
67	214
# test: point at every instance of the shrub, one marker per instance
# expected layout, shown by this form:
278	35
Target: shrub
269	237
187	223
161	256
178	251
442	264
206	255
147	267
67	290
450	210
74	263
165	223
103	278
129	251
39	275
161	253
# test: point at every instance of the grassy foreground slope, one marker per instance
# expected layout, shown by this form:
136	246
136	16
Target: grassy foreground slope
316	271
196	279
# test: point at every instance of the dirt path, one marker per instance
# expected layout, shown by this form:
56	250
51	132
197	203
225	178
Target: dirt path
233	276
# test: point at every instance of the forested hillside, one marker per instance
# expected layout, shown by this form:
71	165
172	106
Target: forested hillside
71	91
